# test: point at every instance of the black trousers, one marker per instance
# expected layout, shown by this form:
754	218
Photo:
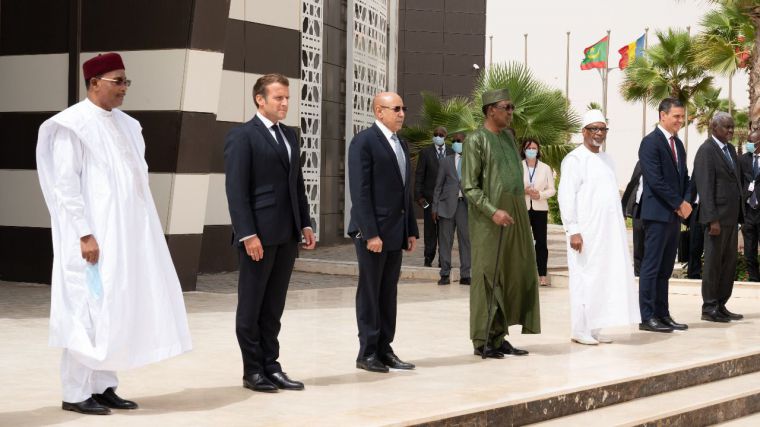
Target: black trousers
638	245
538	220
720	267
660	247
262	288
376	299
431	233
696	245
751	234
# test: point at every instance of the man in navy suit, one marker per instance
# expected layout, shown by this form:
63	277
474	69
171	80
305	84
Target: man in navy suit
382	224
663	205
270	213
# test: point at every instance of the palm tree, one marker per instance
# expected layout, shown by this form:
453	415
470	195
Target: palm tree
751	10
706	104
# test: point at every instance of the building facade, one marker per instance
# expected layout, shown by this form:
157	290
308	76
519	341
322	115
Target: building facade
193	66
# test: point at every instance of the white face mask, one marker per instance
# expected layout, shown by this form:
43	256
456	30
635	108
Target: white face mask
438	140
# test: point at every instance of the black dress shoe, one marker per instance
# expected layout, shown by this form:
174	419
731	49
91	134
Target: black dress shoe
428	262
509	350
490	353
733	316
371	363
259	382
392	361
654	325
667	320
87	407
281	380
111	400
444	280
464	281
715	316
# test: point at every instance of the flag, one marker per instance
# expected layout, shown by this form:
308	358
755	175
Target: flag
630	52
596	55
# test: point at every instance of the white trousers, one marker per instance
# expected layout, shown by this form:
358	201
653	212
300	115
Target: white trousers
79	382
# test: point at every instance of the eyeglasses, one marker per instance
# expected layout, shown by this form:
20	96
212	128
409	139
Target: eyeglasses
438	134
456	140
117	82
508	107
596	130
396	109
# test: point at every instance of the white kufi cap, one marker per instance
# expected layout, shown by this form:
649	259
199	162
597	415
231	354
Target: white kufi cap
593	116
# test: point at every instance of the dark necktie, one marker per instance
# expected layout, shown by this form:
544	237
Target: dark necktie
440	153
673	149
281	150
728	155
754	167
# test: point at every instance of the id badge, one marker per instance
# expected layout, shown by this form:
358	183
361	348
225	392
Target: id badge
751	187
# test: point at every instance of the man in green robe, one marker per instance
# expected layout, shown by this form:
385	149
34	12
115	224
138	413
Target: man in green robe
492	181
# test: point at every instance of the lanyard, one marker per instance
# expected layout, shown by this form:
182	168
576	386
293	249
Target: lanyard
531	174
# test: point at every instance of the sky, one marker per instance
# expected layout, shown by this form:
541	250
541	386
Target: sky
547	23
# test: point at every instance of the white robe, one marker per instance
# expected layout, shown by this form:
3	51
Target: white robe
95	181
602	286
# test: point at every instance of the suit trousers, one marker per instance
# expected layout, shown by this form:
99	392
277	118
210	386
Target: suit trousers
262	288
446	227
80	382
751	234
376	299
660	247
696	245
638	245
431	233
538	221
720	267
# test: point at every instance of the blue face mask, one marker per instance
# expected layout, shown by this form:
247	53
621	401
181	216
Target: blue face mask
457	147
438	140
749	147
531	153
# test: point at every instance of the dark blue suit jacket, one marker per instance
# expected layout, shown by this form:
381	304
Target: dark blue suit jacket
266	195
381	205
666	184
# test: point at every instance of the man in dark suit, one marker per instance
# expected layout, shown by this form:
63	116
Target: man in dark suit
424	185
716	175
450	212
631	199
749	164
269	212
696	236
663	205
382	224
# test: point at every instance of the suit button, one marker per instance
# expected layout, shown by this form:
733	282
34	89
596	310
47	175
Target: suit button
402	211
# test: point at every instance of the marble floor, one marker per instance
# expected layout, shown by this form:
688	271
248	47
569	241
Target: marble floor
319	344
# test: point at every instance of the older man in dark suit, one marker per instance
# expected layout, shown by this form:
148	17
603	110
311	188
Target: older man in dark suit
382	224
663	205
716	174
269	212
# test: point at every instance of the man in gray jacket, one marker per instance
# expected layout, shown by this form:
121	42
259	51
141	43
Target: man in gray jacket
450	211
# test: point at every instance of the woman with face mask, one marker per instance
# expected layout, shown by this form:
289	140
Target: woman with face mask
538	179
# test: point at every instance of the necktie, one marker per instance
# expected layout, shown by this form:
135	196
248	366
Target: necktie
728	155
440	153
754	167
673	149
399	157
281	144
459	167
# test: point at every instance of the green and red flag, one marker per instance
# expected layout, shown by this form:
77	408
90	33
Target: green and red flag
630	52
596	55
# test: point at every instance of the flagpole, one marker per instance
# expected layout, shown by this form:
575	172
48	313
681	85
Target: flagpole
567	70
644	106
606	81
526	50
490	51
686	115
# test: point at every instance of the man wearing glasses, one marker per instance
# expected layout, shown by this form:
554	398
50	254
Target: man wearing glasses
664	203
428	161
382	225
492	181
598	242
116	301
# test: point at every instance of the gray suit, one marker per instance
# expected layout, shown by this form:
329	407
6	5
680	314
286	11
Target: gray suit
451	207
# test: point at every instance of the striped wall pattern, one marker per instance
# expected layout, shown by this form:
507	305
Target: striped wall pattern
193	65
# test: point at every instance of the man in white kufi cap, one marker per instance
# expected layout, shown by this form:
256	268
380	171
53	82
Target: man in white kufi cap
602	289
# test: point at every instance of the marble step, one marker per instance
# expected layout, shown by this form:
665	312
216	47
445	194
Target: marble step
730	383
700	405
